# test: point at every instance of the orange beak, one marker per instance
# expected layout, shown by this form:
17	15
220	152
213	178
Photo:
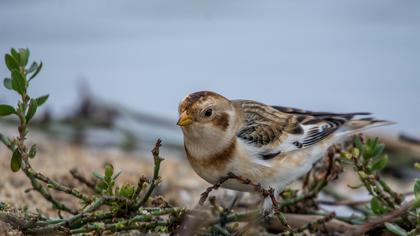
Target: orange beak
184	119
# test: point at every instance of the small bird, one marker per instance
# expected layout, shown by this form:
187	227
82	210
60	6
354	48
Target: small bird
269	145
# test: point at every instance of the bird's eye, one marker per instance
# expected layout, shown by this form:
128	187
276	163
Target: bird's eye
208	112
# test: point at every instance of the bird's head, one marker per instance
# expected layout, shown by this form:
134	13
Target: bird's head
206	115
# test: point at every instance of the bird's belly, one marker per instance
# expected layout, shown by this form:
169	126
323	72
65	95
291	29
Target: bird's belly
213	175
276	173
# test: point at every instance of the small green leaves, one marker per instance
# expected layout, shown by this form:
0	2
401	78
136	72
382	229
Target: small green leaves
6	110
17	59
106	183
358	143
31	110
7	82
127	191
346	155
109	171
38	69
41	100
5	140
15	55
11	63
18	82
380	163
417	189
393	228
32	68
378	149
16	62
32	151
377	207
16	161
24	56
371	152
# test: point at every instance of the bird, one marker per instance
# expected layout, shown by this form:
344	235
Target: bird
269	145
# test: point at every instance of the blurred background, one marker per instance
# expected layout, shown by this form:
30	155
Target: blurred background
336	56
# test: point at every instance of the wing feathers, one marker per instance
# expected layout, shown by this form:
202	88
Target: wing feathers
275	130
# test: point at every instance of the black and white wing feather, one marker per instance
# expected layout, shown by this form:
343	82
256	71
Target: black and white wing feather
275	130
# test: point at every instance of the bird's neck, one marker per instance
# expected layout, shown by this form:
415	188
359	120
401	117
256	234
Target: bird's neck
203	147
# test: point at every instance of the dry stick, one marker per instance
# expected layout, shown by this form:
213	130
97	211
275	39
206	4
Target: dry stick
312	225
295	220
343	202
59	187
217	185
348	202
257	187
157	160
132	223
380	220
139	187
82	179
61	225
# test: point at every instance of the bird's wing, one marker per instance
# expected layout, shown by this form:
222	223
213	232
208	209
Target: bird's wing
275	130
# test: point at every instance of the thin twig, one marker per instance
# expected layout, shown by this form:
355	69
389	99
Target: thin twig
157	160
82	179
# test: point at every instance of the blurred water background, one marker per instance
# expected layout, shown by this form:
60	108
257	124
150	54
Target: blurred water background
341	56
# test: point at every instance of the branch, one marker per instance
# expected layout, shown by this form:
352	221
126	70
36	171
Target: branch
157	160
82	179
380	220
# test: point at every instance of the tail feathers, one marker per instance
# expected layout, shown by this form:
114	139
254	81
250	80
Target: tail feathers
358	125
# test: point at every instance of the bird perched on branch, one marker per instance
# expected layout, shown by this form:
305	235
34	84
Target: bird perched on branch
269	145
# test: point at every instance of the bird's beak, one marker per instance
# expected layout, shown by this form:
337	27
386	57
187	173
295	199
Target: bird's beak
184	119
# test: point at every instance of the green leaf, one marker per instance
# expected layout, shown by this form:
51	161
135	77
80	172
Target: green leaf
5	140
375	142
32	151
127	191
358	143
15	55
101	186
377	206
98	176
11	62
362	148
24	56
109	171
32	68
7	82
380	164
416	204
38	69
417	189
16	161
18	82
393	228
41	100
6	110
31	110
378	150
